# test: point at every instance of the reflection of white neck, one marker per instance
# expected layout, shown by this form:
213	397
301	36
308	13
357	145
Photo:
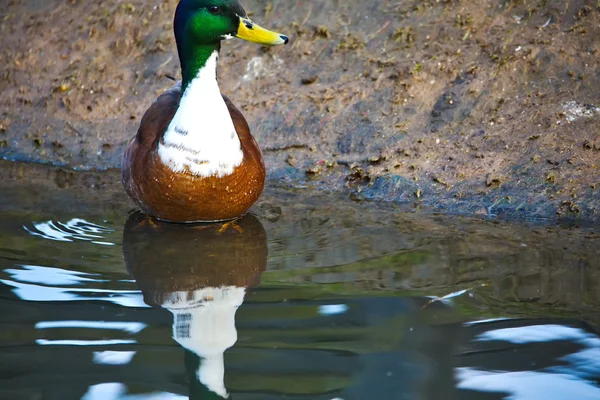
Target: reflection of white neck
204	323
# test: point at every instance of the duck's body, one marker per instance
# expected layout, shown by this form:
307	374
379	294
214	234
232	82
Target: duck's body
193	158
183	193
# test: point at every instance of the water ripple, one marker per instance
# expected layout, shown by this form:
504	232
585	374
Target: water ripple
125	298
74	229
573	377
111	357
116	390
69	342
37	283
129	327
51	276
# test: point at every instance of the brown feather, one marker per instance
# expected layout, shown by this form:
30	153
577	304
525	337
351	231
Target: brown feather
182	196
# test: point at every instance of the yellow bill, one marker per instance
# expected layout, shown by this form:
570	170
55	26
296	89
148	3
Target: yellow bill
251	32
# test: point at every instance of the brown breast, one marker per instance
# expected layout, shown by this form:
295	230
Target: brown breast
182	196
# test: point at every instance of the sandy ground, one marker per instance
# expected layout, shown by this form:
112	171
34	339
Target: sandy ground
478	107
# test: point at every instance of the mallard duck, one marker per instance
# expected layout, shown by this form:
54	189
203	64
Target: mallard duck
193	158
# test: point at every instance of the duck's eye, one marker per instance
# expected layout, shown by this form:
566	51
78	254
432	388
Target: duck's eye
214	9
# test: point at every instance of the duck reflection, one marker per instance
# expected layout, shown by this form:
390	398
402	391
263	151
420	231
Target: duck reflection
200	274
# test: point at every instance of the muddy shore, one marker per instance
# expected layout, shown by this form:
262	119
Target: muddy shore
476	107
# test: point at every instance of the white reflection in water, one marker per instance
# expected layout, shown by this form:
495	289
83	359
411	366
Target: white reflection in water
204	323
586	361
118	391
484	321
125	298
50	276
558	382
113	357
527	385
130	327
333	309
535	334
74	229
69	342
49	281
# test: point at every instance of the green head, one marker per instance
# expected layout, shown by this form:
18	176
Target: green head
200	25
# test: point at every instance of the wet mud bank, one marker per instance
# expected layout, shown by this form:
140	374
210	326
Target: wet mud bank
479	107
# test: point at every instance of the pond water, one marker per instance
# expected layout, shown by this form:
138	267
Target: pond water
312	296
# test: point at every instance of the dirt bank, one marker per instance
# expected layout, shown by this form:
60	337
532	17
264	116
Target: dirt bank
484	107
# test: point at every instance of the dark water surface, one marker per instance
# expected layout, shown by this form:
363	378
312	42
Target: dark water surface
311	297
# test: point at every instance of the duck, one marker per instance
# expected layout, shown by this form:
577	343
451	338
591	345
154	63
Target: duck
193	158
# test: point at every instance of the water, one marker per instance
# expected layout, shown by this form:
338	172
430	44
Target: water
312	297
